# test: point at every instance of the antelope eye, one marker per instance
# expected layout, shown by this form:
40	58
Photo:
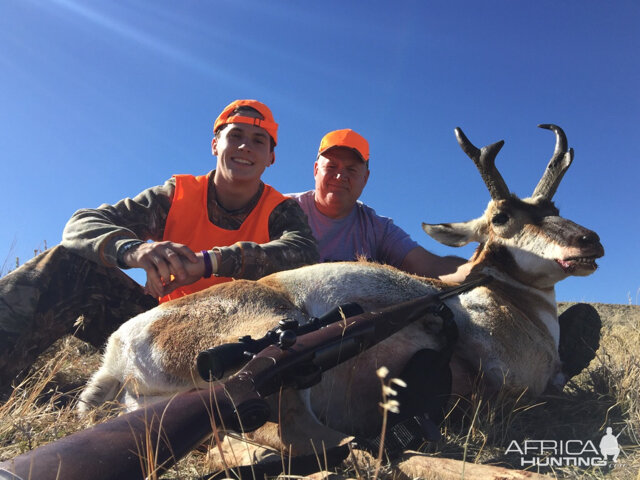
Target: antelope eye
500	219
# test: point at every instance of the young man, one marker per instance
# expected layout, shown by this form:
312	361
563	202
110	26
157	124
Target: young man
346	228
202	230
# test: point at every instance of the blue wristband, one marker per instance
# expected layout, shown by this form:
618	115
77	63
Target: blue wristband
208	268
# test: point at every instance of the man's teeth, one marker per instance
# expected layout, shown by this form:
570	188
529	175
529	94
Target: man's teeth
243	161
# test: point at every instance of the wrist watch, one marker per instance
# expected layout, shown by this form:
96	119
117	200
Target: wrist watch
124	248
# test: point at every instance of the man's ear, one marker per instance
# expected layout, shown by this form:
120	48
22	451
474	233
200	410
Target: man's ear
366	177
315	169
273	158
214	146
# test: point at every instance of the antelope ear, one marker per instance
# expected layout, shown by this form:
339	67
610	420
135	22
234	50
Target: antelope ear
456	234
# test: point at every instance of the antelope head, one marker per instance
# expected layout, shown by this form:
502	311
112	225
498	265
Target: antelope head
524	238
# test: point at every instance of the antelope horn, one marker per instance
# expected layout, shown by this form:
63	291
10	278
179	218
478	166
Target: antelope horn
557	167
485	163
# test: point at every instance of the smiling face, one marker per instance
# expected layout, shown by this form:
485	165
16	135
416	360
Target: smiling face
243	151
340	176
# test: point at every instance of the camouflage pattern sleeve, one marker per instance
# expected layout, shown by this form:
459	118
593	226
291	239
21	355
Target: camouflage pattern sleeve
292	245
97	234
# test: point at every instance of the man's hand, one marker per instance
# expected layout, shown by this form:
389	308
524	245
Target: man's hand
460	275
194	272
427	264
168	265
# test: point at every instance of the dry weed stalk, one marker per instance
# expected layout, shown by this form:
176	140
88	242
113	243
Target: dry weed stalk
388	404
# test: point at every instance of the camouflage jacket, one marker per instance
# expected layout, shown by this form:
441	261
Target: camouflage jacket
98	234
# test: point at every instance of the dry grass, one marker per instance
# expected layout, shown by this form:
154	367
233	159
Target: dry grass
606	394
40	410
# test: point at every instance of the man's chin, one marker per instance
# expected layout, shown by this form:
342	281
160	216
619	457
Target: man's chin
244	173
340	201
339	197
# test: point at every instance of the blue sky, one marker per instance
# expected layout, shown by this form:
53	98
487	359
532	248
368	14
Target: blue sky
99	100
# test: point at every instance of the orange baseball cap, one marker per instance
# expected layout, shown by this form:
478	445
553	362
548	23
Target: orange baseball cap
267	122
345	138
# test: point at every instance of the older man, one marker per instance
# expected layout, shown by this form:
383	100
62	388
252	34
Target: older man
346	228
191	232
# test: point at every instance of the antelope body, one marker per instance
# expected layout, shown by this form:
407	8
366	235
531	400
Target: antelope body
508	329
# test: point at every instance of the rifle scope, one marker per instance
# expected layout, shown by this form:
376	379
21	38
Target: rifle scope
214	363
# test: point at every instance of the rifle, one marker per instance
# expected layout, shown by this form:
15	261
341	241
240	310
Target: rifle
151	439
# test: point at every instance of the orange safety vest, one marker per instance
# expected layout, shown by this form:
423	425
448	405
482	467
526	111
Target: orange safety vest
188	223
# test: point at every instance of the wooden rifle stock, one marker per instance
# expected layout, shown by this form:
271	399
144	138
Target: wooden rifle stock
133	445
154	437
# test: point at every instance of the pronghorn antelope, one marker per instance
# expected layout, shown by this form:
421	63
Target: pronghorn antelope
508	329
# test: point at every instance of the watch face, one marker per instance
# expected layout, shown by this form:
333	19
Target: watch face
124	249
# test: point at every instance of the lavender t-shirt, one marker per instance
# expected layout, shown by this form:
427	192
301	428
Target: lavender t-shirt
361	233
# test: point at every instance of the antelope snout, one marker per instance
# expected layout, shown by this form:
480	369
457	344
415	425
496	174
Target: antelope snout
590	239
